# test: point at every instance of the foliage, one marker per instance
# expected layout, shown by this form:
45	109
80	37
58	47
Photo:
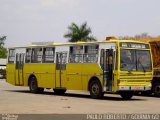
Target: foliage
2	39
79	33
3	50
139	36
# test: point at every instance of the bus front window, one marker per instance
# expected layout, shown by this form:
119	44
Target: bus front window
143	61
128	60
135	60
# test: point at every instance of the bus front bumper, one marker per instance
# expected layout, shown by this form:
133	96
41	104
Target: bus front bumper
134	88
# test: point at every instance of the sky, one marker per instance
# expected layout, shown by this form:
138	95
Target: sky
27	21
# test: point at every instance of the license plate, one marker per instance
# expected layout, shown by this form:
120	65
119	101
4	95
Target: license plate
138	88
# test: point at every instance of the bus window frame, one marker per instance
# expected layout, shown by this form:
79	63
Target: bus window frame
82	55
76	56
10	56
44	55
28	55
35	57
135	50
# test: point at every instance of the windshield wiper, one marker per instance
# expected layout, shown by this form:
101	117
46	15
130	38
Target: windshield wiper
144	70
131	69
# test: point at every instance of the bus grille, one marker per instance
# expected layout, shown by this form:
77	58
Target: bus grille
136	77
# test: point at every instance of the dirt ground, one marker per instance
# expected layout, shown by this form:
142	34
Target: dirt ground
20	101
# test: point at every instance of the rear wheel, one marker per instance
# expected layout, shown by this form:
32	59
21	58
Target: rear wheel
156	89
126	95
33	86
59	91
95	89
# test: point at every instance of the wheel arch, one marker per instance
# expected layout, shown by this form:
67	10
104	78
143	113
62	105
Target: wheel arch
155	79
29	78
92	79
156	86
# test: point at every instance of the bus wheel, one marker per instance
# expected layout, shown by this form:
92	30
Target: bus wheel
95	89
126	95
33	86
59	91
156	89
146	93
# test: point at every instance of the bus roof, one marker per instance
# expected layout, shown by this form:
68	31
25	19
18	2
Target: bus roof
79	43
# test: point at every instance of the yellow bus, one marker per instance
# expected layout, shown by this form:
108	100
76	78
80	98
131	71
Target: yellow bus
115	66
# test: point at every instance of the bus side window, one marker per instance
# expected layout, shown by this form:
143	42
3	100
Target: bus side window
71	55
11	56
28	55
48	55
76	53
91	54
36	55
64	58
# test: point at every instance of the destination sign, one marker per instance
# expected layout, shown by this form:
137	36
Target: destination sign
134	45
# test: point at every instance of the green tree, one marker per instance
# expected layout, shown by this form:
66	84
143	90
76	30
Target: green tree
3	50
138	36
79	33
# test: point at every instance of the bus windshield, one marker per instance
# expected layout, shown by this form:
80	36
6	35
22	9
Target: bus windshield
135	60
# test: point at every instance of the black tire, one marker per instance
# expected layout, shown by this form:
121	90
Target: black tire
33	86
126	95
147	93
59	91
95	89
40	90
156	89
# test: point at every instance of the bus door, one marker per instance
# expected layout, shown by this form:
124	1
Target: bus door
60	77
107	66
19	69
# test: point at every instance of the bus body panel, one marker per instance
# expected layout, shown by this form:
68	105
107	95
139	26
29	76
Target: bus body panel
44	73
74	78
10	69
19	77
78	75
60	79
115	80
90	70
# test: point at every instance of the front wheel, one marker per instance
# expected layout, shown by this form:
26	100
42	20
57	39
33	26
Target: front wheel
126	95
95	89
33	86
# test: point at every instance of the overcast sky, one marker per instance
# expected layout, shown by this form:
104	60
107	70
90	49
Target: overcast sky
26	21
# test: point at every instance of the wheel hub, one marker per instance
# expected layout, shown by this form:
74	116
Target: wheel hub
95	89
33	85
